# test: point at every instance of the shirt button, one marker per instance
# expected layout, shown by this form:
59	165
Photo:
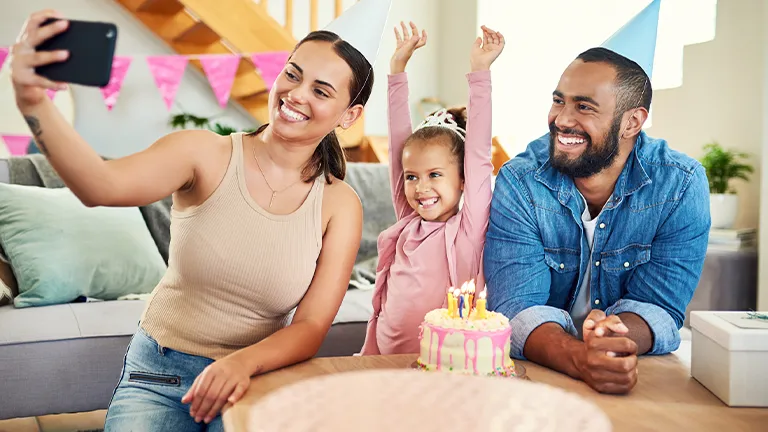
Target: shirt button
602	226
562	266
597	301
597	263
626	264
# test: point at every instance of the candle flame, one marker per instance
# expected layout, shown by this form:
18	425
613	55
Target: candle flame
456	292
482	294
471	286
464	287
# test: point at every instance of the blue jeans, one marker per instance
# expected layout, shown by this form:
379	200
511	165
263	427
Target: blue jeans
153	381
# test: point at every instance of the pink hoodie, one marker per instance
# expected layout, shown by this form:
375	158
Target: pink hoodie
420	260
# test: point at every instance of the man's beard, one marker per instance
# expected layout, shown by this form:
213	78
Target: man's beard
594	158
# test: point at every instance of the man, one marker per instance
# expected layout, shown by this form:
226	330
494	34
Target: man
598	232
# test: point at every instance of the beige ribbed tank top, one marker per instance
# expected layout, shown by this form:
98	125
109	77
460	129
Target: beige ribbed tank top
235	271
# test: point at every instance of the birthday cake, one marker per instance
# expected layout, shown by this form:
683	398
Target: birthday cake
467	340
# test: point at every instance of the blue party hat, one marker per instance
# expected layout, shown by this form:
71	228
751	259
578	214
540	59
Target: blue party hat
636	40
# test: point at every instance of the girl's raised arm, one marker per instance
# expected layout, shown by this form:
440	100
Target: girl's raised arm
399	113
478	168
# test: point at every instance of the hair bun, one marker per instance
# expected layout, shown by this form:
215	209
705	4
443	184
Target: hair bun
459	115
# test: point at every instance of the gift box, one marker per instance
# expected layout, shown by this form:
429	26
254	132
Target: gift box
729	356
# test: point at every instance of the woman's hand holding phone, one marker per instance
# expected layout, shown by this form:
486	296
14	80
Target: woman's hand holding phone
29	87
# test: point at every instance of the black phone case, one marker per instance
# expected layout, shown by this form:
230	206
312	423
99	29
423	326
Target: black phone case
91	47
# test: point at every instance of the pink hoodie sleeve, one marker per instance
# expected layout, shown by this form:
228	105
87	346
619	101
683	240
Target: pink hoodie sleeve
478	168
400	128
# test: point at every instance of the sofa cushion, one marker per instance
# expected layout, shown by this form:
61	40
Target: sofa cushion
371	183
35	170
60	249
69	321
5	173
77	350
357	307
63	358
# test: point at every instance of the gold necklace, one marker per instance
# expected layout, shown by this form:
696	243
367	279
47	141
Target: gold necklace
274	192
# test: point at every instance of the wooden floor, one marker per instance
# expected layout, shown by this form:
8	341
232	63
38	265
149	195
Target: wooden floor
80	422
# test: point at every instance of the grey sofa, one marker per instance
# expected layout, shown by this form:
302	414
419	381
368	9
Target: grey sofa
68	358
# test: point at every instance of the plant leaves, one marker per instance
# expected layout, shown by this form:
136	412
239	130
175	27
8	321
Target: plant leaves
723	165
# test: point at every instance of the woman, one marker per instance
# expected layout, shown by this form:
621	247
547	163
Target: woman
261	225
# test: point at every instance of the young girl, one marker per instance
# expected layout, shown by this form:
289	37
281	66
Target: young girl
434	245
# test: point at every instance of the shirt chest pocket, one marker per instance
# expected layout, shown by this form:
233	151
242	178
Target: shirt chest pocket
562	260
625	259
564	270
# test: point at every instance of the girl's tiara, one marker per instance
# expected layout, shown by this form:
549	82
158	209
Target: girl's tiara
443	118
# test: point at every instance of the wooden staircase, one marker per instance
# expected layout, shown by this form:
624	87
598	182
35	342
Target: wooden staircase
193	27
197	27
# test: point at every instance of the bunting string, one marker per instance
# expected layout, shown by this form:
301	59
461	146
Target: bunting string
168	70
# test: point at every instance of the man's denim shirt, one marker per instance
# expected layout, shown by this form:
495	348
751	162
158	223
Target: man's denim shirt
649	244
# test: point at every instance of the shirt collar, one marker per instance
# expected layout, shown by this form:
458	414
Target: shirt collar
632	178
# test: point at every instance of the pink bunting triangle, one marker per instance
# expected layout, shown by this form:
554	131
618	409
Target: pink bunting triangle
270	64
17	144
168	71
51	93
221	70
3	55
111	91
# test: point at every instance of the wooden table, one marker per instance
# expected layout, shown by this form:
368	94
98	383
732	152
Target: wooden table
665	398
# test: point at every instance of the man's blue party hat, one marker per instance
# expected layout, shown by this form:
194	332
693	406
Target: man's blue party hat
636	40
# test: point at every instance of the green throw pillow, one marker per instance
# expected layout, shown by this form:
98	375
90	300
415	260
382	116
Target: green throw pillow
60	249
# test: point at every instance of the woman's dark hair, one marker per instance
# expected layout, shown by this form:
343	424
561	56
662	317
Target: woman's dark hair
329	158
429	133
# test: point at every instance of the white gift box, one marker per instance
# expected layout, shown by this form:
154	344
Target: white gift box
729	356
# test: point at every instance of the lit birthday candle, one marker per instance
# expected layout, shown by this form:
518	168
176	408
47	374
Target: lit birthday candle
464	303
455	303
481	306
471	292
450	301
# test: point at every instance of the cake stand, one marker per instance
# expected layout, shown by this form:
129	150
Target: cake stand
520	371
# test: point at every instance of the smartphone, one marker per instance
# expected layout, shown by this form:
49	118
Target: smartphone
91	47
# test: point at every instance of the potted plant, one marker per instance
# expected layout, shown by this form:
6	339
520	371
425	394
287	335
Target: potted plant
180	121
722	166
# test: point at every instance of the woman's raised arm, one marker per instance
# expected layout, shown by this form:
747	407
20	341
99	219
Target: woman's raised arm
166	166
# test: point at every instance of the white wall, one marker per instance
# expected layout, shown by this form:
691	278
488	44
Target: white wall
422	69
458	29
720	98
140	116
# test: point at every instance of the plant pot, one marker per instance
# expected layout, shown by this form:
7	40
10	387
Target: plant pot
723	209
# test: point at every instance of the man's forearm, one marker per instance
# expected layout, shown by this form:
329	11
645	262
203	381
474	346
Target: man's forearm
551	346
639	331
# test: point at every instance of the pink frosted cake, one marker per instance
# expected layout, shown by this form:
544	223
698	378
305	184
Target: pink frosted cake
475	344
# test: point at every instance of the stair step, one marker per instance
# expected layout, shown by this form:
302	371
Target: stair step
197	34
244	24
160	7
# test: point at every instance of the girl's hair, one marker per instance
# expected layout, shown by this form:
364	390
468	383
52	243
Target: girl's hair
329	159
432	132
